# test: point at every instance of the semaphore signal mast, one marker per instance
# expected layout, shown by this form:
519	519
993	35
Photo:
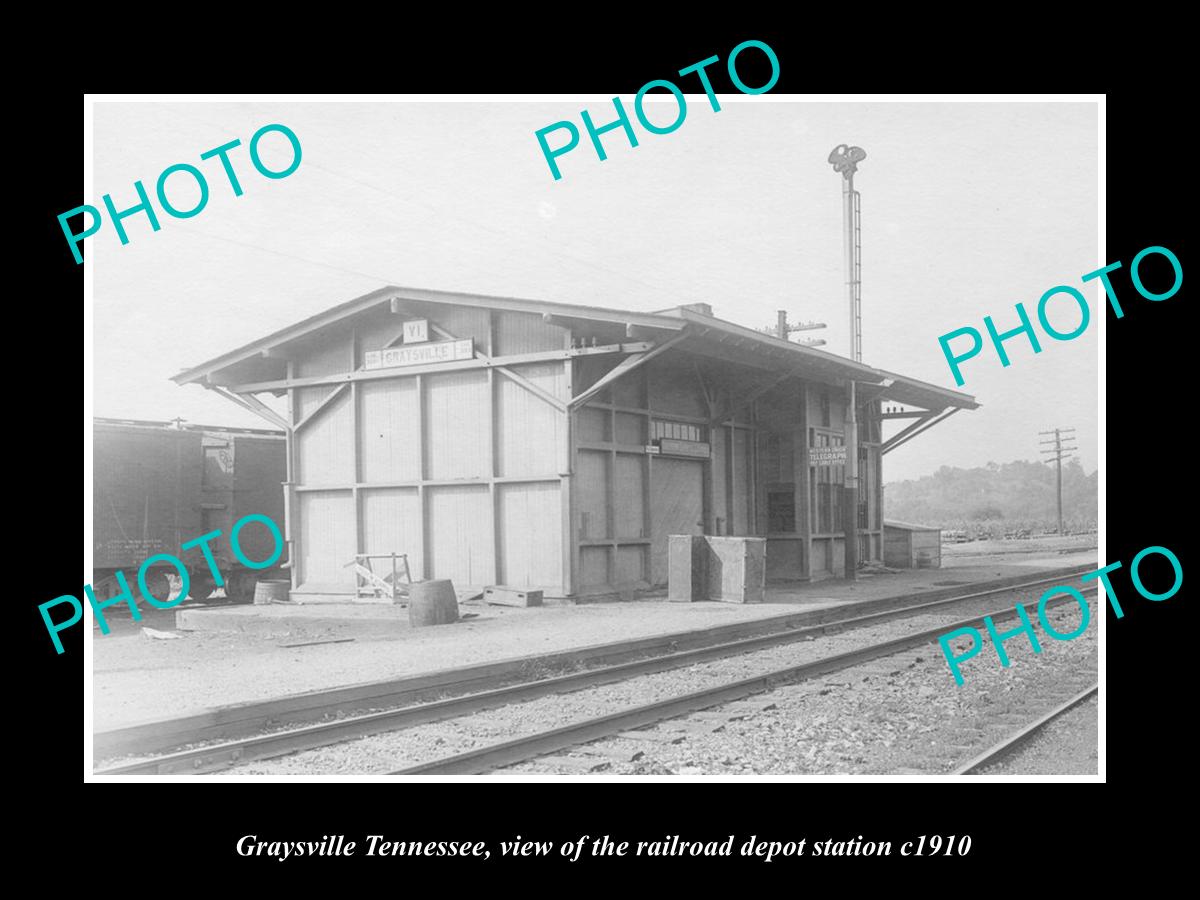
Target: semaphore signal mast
845	159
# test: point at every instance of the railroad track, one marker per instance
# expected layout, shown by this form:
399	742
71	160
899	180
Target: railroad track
264	746
506	753
247	719
1010	745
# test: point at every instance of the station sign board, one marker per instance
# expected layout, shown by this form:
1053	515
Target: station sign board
419	354
676	447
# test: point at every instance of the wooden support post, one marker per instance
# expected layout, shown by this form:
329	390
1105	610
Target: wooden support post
850	493
610	500
422	472
570	546
708	481
803	478
291	501
756	527
493	500
357	438
730	437
647	514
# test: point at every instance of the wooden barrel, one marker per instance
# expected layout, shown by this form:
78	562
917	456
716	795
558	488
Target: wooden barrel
270	591
432	603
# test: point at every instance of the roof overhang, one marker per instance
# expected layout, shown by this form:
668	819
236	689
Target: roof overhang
391	297
701	334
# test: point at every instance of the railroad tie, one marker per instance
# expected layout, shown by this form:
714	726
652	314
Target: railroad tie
653	736
580	764
617	751
687	726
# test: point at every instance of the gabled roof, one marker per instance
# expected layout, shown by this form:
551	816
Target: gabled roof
704	334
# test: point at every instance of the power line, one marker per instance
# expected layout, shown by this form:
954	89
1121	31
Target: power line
441	212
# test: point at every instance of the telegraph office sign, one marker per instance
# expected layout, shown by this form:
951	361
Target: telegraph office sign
827	456
419	354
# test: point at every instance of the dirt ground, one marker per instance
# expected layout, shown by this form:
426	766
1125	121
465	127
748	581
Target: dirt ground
138	677
1042	545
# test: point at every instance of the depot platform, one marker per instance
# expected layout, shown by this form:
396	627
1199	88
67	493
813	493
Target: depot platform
213	657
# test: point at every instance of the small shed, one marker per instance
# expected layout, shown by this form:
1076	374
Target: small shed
908	546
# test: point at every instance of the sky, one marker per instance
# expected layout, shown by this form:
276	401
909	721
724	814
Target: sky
967	209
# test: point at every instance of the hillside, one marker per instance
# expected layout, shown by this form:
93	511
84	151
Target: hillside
995	498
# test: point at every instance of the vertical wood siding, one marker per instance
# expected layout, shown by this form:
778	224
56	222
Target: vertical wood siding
529	430
390	431
740	514
327	539
325	447
530	522
457	412
525	333
676	507
674	388
628	509
461	321
460	535
593	567
392	524
591	495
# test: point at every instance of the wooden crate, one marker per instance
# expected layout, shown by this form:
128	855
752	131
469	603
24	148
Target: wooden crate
499	595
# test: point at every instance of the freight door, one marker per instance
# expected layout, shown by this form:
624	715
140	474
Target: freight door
217	486
676	507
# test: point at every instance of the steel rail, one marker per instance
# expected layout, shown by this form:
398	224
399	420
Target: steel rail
520	749
280	743
248	719
1016	741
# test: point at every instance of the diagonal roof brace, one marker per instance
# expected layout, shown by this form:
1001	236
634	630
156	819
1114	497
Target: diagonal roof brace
623	368
922	424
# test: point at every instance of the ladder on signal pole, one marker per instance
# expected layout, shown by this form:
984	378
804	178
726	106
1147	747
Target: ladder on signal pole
857	283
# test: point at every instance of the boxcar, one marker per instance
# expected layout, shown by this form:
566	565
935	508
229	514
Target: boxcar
157	486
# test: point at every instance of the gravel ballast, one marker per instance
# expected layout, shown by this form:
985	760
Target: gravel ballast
902	713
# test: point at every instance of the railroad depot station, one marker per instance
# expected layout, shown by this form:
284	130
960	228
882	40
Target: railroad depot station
498	441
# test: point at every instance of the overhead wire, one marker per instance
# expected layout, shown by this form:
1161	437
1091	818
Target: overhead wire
514	233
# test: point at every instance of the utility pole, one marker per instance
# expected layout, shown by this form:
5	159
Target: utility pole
1057	452
782	328
845	159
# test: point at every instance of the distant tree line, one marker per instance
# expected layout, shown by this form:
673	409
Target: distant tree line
1015	499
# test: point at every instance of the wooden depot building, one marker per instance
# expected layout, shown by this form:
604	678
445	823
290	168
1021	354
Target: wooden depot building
552	446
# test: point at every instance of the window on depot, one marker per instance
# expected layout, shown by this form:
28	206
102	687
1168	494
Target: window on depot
827	483
678	431
781	511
